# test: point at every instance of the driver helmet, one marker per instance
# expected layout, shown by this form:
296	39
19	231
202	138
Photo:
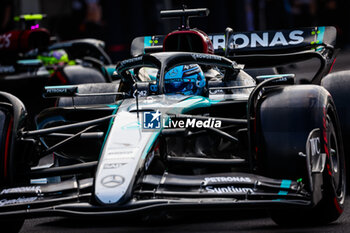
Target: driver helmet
185	79
58	56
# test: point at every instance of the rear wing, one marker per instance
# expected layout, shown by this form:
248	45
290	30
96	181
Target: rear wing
252	42
263	48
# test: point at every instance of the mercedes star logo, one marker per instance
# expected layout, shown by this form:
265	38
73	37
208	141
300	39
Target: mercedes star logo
173	72
112	181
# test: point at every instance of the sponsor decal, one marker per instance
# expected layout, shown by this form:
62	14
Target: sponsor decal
228	189
5	41
206	56
218	41
261	39
25	189
125	62
216	92
152	120
190	66
113	165
57	90
69	90
17	201
120	154
112	181
315	145
140	94
193	123
153	87
7	69
173	72
227	179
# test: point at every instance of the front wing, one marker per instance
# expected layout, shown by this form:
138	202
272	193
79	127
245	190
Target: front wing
170	192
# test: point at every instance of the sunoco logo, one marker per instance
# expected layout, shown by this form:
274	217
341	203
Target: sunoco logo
17	201
228	189
112	181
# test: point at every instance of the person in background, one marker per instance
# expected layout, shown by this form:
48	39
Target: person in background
93	25
6	15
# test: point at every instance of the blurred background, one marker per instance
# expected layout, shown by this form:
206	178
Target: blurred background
117	22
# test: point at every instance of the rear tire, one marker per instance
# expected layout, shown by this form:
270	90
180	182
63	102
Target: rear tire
12	160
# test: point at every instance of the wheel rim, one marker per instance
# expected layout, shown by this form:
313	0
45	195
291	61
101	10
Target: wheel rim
335	162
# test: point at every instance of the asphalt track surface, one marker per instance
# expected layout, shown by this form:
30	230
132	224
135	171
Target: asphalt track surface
236	221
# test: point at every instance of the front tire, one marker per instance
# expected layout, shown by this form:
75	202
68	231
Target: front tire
338	84
298	110
331	206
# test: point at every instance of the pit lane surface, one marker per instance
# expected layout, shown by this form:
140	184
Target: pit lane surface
240	221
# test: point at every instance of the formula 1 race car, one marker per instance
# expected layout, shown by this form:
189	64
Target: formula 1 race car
183	131
29	61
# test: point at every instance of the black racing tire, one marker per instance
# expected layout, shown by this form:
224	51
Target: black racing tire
12	225
338	85
6	122
311	108
12	162
12	151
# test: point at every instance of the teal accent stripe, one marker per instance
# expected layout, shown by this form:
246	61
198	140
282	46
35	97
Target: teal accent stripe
282	193
286	184
110	70
321	34
146	42
107	134
274	76
29	61
113	106
191	103
63	86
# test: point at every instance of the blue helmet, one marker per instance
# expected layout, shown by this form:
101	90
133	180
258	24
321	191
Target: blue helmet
185	79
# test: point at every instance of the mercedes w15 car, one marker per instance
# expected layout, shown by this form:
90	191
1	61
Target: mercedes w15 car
186	129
